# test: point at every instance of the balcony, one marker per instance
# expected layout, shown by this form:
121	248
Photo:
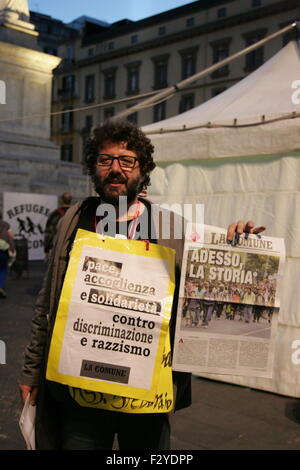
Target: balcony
66	95
66	129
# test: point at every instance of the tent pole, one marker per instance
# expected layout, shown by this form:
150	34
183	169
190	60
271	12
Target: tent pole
167	92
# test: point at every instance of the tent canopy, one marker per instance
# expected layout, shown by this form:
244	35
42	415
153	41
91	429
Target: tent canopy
260	181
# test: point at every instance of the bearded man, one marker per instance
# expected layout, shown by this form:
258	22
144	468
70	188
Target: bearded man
119	159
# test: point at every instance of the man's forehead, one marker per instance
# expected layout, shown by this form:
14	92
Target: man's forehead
123	144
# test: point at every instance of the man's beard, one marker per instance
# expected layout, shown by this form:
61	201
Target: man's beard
131	190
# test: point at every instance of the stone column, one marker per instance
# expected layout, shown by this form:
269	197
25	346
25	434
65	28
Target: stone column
15	26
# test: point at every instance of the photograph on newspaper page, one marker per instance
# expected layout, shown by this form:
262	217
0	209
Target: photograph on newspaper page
113	316
229	303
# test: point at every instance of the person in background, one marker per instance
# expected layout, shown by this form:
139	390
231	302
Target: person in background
7	248
53	219
209	305
249	300
259	308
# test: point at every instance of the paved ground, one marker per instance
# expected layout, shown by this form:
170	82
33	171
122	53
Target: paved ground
223	416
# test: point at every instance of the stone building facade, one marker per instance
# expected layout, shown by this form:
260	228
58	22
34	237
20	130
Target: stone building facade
111	65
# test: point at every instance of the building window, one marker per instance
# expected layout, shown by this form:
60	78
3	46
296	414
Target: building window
89	94
110	83
162	30
86	131
70	55
66	152
88	122
68	83
159	112
188	62
50	50
186	102
222	12
134	39
109	113
43	28
220	51
67	121
217	91
256	3
111	46
290	35
190	22
133	76
255	58
132	117
91	52
160	71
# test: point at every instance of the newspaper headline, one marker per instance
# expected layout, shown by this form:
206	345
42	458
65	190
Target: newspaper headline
229	302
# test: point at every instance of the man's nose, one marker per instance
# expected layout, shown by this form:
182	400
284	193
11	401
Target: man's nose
115	166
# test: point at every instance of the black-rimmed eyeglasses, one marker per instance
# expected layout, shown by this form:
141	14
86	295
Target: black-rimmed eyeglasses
125	161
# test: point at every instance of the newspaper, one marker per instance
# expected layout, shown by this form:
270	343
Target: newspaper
27	423
228	303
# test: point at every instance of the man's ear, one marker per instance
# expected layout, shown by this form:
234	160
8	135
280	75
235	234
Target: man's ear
143	177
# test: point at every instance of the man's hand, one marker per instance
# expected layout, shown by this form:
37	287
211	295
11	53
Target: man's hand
238	228
25	389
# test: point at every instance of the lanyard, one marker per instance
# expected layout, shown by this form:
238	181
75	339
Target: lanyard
132	226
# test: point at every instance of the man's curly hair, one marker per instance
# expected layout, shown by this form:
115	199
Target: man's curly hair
117	132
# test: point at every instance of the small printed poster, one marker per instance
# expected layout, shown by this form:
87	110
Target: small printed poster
27	216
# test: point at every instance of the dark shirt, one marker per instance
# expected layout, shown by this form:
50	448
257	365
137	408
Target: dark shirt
89	221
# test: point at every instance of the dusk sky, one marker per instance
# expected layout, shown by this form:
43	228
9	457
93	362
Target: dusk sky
106	10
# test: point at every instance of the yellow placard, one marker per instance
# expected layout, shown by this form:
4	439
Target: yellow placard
113	316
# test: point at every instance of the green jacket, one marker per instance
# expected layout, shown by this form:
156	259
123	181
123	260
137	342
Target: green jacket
36	353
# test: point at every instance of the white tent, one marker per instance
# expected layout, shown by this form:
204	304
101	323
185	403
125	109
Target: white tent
239	154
